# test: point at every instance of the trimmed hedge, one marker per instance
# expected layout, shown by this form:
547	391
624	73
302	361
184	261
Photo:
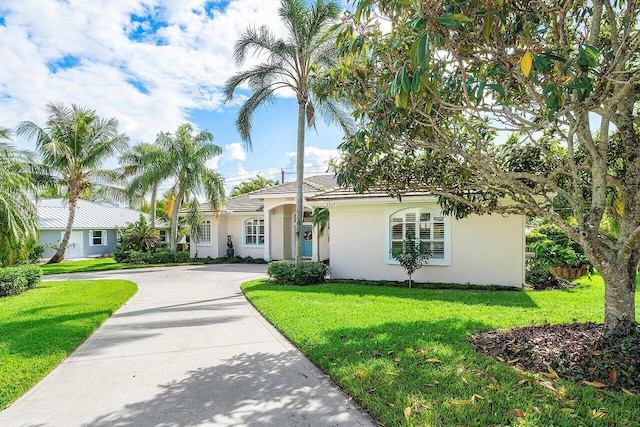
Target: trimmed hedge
16	280
160	256
303	274
233	260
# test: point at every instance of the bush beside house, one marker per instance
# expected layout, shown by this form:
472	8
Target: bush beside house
16	280
303	274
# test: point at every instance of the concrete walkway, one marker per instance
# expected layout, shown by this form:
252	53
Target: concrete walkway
186	350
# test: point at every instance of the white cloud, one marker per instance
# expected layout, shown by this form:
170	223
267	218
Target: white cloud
315	159
181	66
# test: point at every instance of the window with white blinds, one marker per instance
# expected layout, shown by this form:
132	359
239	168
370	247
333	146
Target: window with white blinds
428	226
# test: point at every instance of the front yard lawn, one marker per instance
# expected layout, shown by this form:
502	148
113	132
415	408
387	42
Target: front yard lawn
404	355
98	264
40	328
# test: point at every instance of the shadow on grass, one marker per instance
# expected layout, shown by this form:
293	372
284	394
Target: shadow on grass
466	296
430	367
259	389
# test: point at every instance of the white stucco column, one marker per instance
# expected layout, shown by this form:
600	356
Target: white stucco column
267	235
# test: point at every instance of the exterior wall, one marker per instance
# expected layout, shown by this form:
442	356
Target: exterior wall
55	236
485	249
97	251
281	232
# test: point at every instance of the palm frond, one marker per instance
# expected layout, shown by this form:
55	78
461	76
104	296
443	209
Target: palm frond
245	115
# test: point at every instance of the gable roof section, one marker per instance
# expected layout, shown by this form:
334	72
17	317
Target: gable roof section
253	202
54	213
339	193
312	184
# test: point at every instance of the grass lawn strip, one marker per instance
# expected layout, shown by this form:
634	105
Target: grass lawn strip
40	328
403	354
98	264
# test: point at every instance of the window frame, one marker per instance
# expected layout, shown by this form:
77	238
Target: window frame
203	224
166	235
433	211
260	223
103	238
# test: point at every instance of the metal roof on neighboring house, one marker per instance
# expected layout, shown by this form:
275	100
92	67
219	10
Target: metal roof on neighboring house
53	214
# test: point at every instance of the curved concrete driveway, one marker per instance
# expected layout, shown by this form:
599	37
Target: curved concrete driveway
186	350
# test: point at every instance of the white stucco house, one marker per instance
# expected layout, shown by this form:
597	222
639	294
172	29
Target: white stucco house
95	227
485	250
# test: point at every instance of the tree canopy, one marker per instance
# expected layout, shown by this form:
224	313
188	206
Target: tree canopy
74	144
254	184
437	95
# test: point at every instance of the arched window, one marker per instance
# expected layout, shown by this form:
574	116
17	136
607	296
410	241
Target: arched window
427	225
254	232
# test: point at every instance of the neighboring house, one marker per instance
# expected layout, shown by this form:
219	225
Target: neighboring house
95	230
487	249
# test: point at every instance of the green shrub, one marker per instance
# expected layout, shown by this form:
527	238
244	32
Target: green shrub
303	274
181	257
252	260
13	281
121	255
33	275
36	254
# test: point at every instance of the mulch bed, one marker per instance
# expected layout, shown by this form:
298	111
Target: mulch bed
578	351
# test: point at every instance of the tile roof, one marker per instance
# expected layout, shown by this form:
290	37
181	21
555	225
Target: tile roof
339	193
252	202
54	213
312	184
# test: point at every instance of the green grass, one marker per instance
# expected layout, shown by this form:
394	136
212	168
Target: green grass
393	348
40	328
98	264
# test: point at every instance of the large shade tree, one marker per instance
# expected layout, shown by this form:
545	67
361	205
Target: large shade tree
182	160
18	220
289	65
74	144
433	92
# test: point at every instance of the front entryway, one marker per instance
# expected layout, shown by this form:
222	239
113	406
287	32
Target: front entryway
75	246
307	241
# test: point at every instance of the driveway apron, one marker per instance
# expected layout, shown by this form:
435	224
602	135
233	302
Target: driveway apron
187	350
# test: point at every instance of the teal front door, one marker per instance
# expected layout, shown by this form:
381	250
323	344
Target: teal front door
307	242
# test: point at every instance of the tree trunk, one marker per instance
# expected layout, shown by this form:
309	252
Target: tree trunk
174	220
300	178
620	292
59	255
154	197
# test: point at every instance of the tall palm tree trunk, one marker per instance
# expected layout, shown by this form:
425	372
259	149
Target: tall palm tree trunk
299	177
73	201
154	197
174	220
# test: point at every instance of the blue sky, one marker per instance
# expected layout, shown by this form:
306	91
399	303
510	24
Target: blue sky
152	64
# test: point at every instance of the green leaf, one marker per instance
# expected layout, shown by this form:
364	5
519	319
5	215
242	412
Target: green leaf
422	50
486	29
419	24
406	81
498	89
453	19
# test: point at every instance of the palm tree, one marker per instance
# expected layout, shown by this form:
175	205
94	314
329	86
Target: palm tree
290	65
254	184
183	160
134	162
74	144
18	219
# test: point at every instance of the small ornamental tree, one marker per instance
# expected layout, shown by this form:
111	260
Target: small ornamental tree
413	254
